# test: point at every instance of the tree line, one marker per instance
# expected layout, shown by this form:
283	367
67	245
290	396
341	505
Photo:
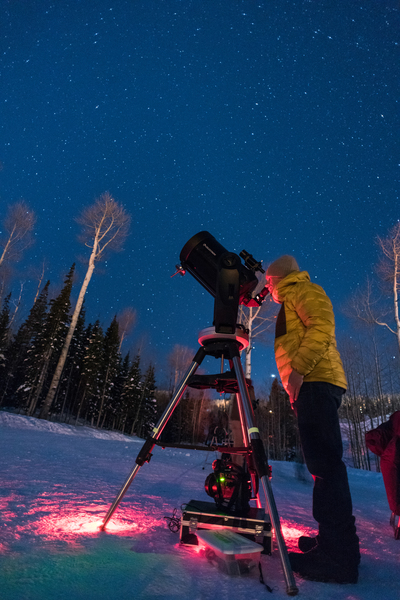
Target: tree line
55	365
97	384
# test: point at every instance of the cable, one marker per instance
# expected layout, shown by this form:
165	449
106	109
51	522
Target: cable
174	522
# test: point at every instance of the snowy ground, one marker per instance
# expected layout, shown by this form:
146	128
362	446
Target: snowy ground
57	482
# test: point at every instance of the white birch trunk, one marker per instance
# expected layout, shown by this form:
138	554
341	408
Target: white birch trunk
64	352
7	246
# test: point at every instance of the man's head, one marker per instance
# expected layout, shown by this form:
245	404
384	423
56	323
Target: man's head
279	269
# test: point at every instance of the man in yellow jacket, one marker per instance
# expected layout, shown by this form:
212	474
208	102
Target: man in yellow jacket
312	373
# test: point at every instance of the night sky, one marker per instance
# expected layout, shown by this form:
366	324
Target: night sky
274	125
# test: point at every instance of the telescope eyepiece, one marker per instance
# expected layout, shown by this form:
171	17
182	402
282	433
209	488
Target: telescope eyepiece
250	262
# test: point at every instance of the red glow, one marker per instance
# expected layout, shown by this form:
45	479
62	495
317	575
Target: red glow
197	549
69	518
291	533
72	522
6	499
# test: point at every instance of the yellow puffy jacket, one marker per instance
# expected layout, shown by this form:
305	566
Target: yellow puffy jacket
305	332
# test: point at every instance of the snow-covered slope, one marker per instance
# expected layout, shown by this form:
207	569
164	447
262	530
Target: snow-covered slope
57	482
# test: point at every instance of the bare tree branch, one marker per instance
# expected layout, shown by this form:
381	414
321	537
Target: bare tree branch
389	269
16	305
105	225
40	279
364	305
126	322
18	224
179	360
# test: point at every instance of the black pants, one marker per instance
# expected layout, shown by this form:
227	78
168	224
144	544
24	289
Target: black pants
316	409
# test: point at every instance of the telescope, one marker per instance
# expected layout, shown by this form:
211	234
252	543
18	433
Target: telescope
224	276
232	283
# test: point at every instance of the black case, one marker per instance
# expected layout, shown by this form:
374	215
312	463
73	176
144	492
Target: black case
206	515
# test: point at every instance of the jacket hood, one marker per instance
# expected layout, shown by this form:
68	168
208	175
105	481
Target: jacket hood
285	285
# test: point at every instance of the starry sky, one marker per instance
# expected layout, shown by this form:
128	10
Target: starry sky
271	124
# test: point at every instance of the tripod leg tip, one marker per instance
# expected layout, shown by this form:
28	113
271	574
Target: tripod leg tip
292	591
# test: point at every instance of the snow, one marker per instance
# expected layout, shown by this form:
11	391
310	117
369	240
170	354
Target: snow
58	481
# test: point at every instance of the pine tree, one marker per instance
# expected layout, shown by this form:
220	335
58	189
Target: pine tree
116	408
111	359
47	346
131	395
4	333
148	405
69	384
91	376
4	344
18	349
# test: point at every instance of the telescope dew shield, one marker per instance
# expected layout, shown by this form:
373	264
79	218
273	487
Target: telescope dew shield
200	256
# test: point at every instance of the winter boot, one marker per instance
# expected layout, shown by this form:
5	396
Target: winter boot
316	565
306	543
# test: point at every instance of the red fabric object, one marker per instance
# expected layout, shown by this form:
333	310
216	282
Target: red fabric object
385	442
378	439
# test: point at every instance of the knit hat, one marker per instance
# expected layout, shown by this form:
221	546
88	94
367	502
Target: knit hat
282	266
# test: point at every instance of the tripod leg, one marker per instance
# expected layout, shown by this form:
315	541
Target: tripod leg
245	436
261	464
145	452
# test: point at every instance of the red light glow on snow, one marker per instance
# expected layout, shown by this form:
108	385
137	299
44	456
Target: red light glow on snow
82	521
291	533
68	518
197	549
87	520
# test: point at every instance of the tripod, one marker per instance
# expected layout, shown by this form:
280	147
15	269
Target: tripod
221	346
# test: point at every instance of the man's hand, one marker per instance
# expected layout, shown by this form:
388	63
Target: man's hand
293	386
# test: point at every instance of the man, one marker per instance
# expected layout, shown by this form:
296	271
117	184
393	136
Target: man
312	373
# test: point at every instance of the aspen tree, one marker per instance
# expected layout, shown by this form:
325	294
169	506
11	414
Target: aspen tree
365	305
105	225
18	225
